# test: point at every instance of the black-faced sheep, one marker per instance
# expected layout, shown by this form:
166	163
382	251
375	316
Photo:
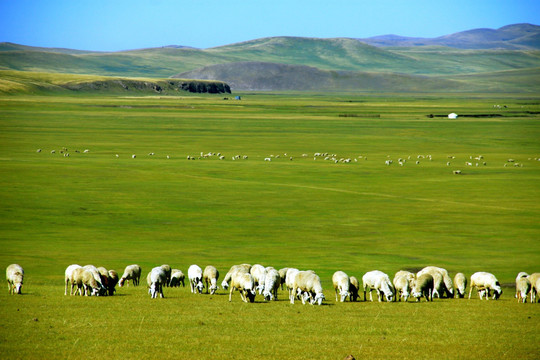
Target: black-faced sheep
310	285
441	290
232	270
245	284
354	288
177	278
15	278
483	282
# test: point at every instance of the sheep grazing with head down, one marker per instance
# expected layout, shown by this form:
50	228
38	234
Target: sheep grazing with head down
446	288
177	278
272	281
232	270
380	282
195	275
483	282
289	281
15	278
423	286
259	273
113	280
67	278
85	281
403	283
167	269
97	275
243	282
354	288
131	272
342	284
210	278
309	284
460	282
523	287
155	280
282	275
535	286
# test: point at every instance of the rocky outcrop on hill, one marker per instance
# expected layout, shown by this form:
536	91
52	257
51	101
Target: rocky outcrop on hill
164	86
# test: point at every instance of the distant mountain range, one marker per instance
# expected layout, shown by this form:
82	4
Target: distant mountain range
482	59
511	37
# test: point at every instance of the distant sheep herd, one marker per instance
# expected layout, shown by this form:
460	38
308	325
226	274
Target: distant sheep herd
305	286
471	160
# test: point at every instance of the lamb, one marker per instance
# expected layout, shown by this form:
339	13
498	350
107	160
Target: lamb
423	286
233	269
211	275
484	282
259	273
195	275
533	278
460	282
448	288
283	275
523	287
15	277
379	281
353	289
310	285
403	283
167	270
272	282
113	280
341	283
68	274
133	273
155	280
245	284
177	277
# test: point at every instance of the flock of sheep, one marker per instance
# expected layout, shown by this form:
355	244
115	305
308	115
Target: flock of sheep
306	286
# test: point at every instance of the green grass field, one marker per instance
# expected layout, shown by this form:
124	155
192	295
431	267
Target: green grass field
97	208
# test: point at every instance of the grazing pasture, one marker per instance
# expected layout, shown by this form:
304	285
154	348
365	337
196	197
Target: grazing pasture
108	208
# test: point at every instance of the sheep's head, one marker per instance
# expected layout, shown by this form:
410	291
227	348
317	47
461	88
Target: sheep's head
225	285
318	299
344	295
213	289
251	295
121	282
497	292
268	296
200	286
18	287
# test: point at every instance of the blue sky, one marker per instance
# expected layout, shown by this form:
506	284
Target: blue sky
113	25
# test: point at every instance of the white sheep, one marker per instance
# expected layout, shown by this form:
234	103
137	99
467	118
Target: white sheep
523	287
402	284
177	278
447	288
232	270
342	284
96	274
84	279
259	273
289	281
283	275
133	273
244	283
309	284
195	275
210	278
460	282
167	269
67	277
483	282
272	281
533	278
379	281
155	280
15	278
354	288
423	286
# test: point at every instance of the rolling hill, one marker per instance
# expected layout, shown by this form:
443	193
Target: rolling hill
332	64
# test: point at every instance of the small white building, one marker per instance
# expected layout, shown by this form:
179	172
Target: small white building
452	116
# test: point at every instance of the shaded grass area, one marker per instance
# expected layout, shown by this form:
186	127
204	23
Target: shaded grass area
307	213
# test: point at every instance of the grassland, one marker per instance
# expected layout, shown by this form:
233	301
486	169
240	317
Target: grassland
310	214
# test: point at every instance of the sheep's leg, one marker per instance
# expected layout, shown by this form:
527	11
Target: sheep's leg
336	295
10	289
370	295
230	293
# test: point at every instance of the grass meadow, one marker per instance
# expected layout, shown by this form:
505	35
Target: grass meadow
309	213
